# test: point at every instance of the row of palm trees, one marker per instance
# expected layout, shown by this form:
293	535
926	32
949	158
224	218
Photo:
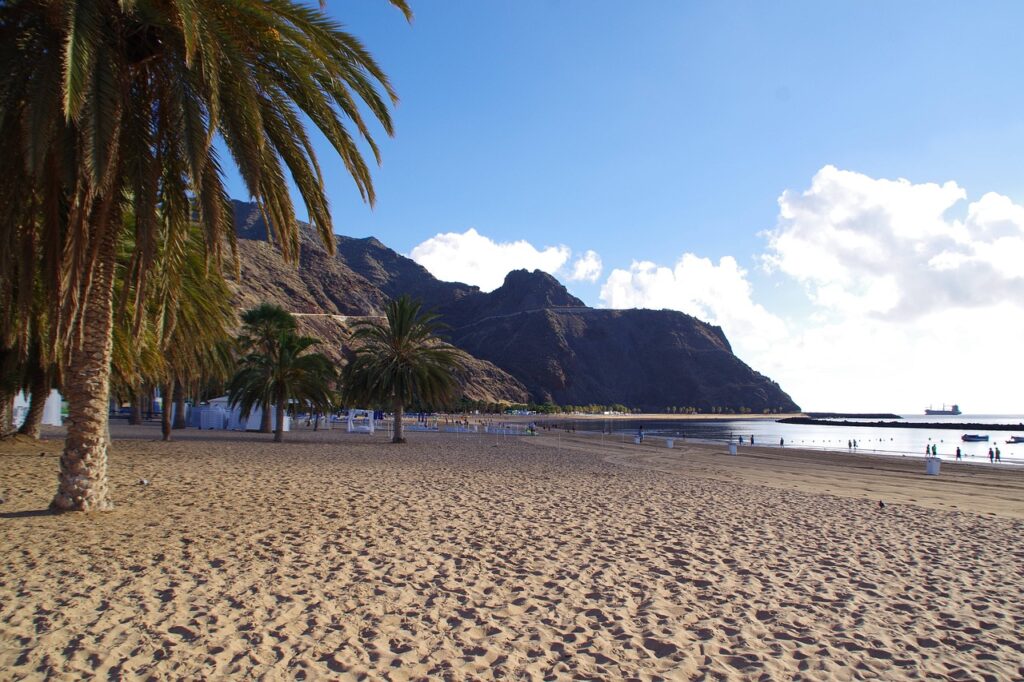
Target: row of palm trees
396	361
112	113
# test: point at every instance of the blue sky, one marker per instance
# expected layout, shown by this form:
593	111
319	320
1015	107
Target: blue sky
647	131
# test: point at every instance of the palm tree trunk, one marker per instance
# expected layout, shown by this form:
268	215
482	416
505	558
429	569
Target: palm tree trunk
6	413
265	426
83	465
282	403
39	391
165	412
135	415
399	436
8	388
179	406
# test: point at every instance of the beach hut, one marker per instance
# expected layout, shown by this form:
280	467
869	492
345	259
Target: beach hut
360	421
218	414
51	409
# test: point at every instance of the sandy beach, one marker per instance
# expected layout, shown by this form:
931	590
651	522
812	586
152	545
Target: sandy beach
463	557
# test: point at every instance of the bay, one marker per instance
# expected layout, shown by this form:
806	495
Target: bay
909	442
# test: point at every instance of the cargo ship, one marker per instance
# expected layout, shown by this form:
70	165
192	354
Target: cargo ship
953	410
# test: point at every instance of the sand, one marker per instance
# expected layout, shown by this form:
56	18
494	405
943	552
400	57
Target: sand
336	556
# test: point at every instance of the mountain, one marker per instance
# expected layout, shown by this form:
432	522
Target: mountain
530	338
570	354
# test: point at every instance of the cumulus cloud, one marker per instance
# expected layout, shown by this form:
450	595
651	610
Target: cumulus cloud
916	296
472	258
862	245
719	294
586	267
914	304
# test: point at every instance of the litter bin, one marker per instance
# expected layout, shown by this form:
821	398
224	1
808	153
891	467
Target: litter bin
636	439
931	466
732	448
669	442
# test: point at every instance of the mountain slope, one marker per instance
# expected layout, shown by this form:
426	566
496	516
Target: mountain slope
327	296
530	337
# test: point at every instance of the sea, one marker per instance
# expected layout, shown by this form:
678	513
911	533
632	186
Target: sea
906	442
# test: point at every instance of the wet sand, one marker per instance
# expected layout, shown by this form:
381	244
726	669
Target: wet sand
336	556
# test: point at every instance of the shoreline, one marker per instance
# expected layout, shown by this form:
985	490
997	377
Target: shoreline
952	426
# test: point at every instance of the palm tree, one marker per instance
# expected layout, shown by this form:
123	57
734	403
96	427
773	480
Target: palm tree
196	316
262	327
114	105
283	371
401	360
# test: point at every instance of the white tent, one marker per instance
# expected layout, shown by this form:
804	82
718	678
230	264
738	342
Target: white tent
360	421
218	414
51	410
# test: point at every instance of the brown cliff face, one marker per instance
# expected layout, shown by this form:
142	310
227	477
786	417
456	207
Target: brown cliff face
327	296
650	359
530	338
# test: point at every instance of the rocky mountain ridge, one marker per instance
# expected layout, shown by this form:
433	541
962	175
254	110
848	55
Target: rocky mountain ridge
531	339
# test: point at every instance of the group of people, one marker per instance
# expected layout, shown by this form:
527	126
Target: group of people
993	454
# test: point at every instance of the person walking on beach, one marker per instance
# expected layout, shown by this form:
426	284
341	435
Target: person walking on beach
782	442
958	453
849	445
751	440
991	455
997	454
640	433
935	450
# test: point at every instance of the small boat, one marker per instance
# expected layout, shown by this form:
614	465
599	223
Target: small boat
973	438
1016	439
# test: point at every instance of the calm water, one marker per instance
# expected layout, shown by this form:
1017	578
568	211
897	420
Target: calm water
889	441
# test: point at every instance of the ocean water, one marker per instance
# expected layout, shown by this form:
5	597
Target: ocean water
909	442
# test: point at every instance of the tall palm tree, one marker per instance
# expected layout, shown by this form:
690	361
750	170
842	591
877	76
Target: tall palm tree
285	371
262	327
182	334
114	105
196	317
401	360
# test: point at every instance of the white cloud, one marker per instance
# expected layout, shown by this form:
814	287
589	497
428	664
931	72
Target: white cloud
909	305
472	258
918	306
719	294
873	246
587	267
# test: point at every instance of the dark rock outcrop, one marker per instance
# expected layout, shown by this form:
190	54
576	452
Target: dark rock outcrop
530	337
